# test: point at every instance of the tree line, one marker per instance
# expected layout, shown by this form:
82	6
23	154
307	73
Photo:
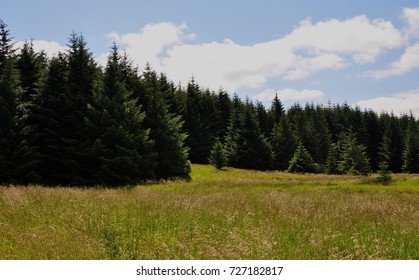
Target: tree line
67	121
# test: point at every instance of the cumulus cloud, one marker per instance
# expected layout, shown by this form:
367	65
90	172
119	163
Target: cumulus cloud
398	103
406	63
409	60
309	48
411	17
151	42
289	94
51	48
359	37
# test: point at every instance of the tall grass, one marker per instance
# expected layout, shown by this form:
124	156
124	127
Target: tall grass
230	214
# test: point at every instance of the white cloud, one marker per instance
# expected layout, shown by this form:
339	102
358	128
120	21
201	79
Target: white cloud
289	94
411	17
309	48
51	48
359	37
409	60
398	103
406	63
150	43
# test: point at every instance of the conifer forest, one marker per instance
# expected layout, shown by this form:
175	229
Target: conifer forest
67	121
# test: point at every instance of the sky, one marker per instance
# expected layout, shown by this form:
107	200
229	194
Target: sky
362	52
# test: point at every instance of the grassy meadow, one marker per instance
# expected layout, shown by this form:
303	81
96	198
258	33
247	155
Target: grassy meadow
229	214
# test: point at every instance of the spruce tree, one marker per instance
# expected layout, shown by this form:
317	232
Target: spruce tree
252	150
82	79
233	134
411	147
165	130
12	147
218	156
332	162
277	109
47	134
354	160
224	108
302	161
122	149
199	136
9	91
283	143
32	68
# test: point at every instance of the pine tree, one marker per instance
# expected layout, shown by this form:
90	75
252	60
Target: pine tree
122	149
75	135
277	109
332	163
32	68
252	149
283	143
233	134
9	90
46	135
224	108
165	130
199	136
354	160
302	161
11	149
411	148
218	156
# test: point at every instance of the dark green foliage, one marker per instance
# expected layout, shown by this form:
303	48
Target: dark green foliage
224	112
200	137
48	115
246	146
354	160
411	147
14	148
302	161
332	163
121	146
9	90
384	175
165	130
218	157
283	143
277	110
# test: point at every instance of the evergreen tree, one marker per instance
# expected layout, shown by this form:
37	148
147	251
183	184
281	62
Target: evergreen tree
302	161
122	149
9	91
165	130
411	148
75	135
253	150
46	135
224	111
277	109
15	153
199	137
233	134
354	160
32	68
283	143
264	122
218	156
332	163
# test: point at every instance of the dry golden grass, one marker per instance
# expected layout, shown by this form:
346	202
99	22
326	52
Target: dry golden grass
231	214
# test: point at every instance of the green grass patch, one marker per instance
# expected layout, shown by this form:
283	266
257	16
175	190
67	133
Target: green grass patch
219	214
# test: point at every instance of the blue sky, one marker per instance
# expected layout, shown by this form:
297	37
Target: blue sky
362	52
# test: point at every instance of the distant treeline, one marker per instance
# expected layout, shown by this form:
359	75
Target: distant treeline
67	121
